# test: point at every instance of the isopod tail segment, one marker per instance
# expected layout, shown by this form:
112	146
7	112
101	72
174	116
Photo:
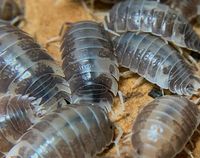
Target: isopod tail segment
155	60
89	64
17	115
164	127
152	17
75	131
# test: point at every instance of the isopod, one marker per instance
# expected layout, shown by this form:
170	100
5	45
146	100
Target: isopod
164	126
76	131
155	60
153	17
16	117
189	8
27	69
10	10
89	64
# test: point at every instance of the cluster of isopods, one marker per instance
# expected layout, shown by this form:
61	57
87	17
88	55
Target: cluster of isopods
53	111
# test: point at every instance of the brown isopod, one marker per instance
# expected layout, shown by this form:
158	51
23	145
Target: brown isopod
152	17
76	131
164	127
16	117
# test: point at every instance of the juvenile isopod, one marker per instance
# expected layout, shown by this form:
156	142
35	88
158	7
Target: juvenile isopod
164	127
89	64
27	69
16	115
155	60
153	17
77	131
11	11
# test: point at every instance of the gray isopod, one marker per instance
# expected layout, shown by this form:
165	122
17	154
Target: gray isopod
16	117
77	131
89	64
164	127
155	60
156	18
26	68
189	8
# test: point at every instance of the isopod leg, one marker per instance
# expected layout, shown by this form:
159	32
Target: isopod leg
52	40
121	98
85	6
126	74
192	144
127	137
59	37
117	139
17	19
110	31
162	91
188	152
138	82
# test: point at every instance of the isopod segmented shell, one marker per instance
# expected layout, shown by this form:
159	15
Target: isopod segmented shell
164	126
189	8
89	64
156	18
26	68
16	117
157	61
77	131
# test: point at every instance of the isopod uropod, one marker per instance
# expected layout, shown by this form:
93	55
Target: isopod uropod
77	131
26	68
164	126
153	17
16	117
157	61
89	64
